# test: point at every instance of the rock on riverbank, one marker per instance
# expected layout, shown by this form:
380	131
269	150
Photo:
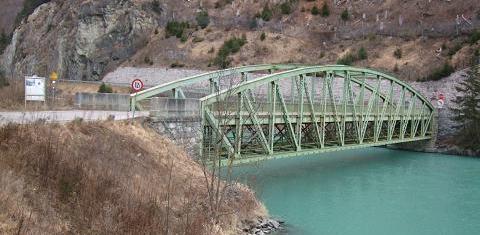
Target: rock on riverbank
262	226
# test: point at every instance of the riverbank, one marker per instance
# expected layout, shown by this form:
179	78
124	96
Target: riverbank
447	127
112	178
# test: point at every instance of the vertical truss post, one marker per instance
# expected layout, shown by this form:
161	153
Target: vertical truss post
202	130
396	115
354	108
271	124
286	119
376	126
386	103
239	126
361	101
214	87
426	123
340	132
178	93
313	118
324	111
292	90
372	99
345	100
416	121
300	88
407	117
313	80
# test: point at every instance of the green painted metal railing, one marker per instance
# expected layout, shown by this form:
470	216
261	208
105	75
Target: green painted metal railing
176	86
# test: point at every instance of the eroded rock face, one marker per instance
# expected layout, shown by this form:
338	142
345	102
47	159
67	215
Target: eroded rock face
82	40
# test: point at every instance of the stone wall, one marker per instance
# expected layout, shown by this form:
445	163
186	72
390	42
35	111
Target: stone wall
185	132
179	120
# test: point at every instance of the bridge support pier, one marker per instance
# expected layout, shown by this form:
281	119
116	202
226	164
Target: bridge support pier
185	132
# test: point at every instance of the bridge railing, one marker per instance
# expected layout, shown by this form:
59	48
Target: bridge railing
212	80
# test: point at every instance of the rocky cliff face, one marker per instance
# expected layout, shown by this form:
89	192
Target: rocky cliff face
8	12
80	39
85	39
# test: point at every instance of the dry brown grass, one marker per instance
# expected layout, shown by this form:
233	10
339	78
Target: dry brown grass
106	178
70	88
12	96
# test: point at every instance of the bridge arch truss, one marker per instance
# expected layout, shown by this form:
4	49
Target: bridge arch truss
204	84
314	109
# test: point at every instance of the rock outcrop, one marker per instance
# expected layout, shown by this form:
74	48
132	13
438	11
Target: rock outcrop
82	40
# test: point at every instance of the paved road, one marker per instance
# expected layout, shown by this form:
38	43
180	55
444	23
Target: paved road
64	116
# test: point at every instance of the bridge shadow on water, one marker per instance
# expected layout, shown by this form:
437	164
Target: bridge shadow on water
328	163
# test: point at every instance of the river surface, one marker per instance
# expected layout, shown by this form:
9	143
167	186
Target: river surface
370	191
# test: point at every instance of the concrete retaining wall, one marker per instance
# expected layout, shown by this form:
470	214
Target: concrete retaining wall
166	108
102	101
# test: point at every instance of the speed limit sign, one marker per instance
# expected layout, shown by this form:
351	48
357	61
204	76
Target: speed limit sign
137	85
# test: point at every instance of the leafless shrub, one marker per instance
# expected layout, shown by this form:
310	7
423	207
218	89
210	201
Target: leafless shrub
109	178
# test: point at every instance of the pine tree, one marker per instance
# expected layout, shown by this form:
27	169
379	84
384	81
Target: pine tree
325	10
467	112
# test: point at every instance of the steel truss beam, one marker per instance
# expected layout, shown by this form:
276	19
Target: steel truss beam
340	120
213	77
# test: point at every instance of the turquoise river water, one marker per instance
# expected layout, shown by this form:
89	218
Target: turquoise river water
370	191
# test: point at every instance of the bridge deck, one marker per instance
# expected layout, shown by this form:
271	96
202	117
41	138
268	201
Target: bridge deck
258	157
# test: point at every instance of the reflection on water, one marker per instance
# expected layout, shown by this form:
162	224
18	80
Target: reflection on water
370	191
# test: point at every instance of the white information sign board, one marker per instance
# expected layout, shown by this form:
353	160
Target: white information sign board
34	88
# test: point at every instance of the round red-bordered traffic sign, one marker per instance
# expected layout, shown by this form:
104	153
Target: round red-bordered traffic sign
137	85
441	97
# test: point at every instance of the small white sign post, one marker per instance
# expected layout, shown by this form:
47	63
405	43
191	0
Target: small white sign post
34	89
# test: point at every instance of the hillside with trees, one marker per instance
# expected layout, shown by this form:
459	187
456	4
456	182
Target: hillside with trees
83	40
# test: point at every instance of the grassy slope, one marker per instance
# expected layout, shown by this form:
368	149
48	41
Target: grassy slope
105	178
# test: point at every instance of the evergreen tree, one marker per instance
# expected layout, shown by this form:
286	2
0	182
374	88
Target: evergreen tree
325	10
345	15
467	112
203	19
315	10
362	54
104	88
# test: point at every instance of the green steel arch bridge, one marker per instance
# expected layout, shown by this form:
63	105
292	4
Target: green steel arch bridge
258	112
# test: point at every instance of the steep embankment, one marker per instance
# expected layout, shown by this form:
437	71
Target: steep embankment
107	178
86	39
